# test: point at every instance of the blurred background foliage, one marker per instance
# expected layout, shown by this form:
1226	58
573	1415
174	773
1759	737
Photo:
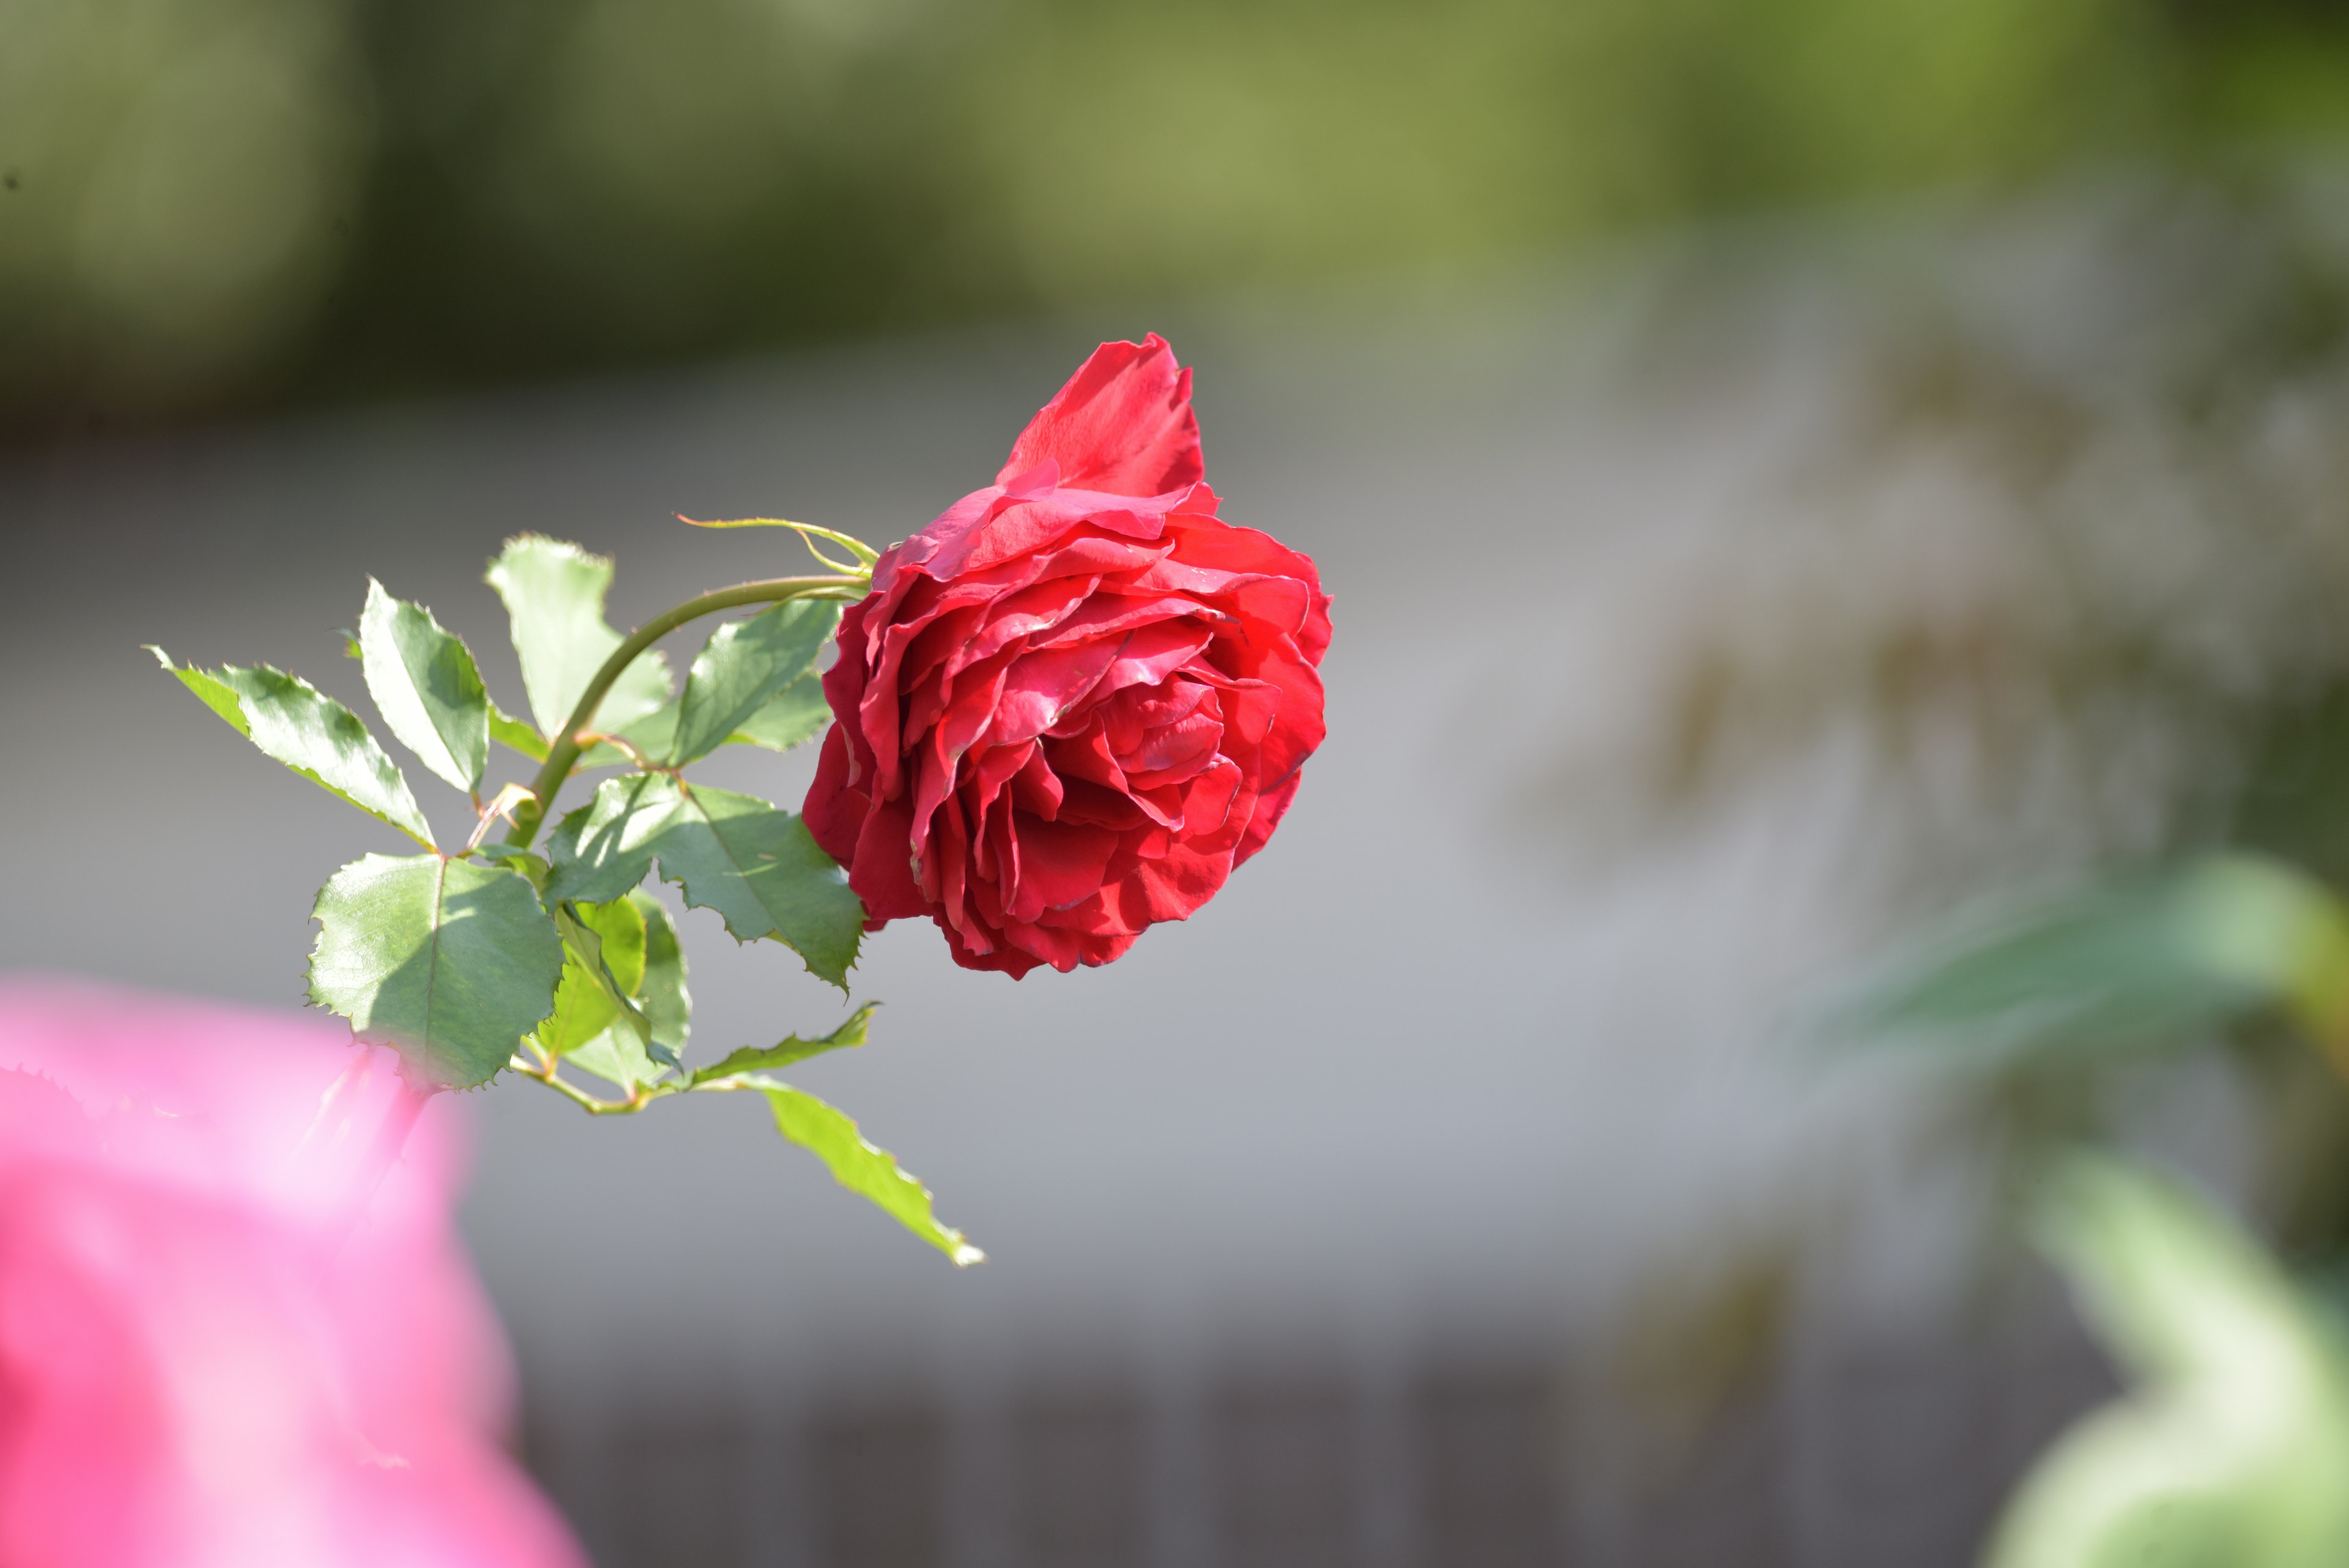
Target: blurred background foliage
214	206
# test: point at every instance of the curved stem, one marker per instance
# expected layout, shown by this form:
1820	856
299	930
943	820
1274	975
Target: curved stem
563	755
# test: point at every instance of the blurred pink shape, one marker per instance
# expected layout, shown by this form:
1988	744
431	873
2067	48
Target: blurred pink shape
236	1329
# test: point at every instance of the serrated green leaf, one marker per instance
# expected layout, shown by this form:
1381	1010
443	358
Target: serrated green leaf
602	849
795	714
310	732
554	593
512	733
744	664
2231	1449
449	962
604	962
424	683
756	866
667	1004
864	1167
751	861
2131	962
768	1058
619	1054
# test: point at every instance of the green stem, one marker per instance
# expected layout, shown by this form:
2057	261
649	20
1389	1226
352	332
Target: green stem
563	756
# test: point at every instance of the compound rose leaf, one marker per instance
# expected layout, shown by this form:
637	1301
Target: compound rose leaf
554	593
744	664
449	962
865	1168
766	1058
309	732
425	684
796	714
756	866
604	847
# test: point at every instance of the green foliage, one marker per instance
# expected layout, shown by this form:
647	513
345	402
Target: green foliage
498	957
512	733
425	685
751	861
309	732
767	1058
447	961
796	713
2232	1450
603	968
2139	961
553	593
744	666
865	1168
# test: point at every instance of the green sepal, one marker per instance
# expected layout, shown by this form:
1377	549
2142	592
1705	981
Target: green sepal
768	1058
554	593
425	684
742	667
310	732
751	861
864	1167
449	962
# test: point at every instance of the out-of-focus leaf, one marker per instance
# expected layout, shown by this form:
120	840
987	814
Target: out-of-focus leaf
2232	1451
757	868
553	593
767	1058
796	713
2132	962
309	732
862	1167
424	683
742	667
751	861
508	731
449	962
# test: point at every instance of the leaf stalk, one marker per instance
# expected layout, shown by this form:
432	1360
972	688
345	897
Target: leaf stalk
563	754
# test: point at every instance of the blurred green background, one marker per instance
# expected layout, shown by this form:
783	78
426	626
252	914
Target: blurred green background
227	206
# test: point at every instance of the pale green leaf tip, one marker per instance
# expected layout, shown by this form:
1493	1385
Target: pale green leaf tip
963	1253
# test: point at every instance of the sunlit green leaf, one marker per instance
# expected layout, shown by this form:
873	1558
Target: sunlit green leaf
2137	960
602	849
795	714
757	866
309	732
767	1058
553	593
751	862
861	1167
604	962
423	682
2231	1450
744	666
621	1054
508	731
449	962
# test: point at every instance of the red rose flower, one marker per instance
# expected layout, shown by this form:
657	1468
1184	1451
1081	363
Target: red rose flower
1071	705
